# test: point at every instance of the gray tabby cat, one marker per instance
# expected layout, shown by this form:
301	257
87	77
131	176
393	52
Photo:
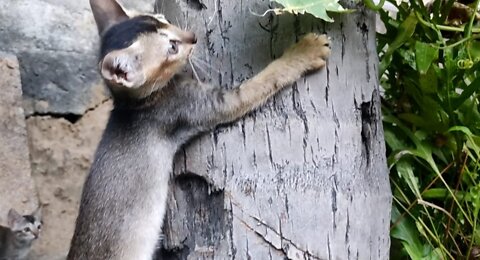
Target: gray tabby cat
155	113
16	239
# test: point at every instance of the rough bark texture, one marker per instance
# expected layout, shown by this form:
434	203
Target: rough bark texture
305	177
17	189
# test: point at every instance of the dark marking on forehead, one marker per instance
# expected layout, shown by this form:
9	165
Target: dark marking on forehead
29	218
196	4
122	35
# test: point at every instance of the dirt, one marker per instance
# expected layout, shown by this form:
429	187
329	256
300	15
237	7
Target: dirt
61	153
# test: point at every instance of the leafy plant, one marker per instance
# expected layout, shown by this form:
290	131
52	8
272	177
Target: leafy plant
317	8
429	72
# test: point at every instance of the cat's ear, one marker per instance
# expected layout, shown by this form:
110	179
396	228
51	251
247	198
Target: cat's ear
123	67
38	213
13	217
107	13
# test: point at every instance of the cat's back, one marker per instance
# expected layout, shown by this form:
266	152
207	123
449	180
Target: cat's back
131	144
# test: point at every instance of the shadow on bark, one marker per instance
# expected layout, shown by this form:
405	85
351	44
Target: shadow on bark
202	215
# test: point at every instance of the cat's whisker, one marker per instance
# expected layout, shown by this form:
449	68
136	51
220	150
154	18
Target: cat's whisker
200	60
194	71
186	23
181	25
178	22
214	14
206	64
198	66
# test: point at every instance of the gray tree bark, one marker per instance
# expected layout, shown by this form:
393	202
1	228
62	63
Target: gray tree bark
305	177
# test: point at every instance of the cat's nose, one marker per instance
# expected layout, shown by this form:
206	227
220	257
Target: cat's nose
191	38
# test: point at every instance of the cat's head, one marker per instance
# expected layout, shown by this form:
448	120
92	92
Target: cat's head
139	54
27	227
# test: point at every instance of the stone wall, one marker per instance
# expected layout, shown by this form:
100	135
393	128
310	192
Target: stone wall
16	186
65	107
61	152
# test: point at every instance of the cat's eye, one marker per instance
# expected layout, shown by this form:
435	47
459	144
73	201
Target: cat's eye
173	47
39	227
27	229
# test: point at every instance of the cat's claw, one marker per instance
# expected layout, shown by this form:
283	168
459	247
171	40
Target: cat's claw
313	50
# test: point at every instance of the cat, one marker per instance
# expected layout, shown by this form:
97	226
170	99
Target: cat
16	239
156	111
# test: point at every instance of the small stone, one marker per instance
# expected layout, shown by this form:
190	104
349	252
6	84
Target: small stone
10	65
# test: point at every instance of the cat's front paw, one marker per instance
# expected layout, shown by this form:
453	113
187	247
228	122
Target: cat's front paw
311	51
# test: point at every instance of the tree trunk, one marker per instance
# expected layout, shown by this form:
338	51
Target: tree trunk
305	177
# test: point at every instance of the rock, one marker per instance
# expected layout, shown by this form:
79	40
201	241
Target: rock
16	185
61	154
56	42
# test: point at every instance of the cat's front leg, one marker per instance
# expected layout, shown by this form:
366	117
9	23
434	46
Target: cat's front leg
309	54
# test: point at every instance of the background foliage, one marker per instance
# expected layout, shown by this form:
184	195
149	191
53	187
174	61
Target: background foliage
428	69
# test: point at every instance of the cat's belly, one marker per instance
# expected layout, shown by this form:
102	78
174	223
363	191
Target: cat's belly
124	203
144	230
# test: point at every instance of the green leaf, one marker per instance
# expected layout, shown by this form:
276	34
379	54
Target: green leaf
393	138
370	4
420	121
435	254
428	81
405	32
405	171
425	54
471	138
474	47
467	93
406	231
468	113
423	149
462	129
450	63
441	193
317	8
408	57
435	193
